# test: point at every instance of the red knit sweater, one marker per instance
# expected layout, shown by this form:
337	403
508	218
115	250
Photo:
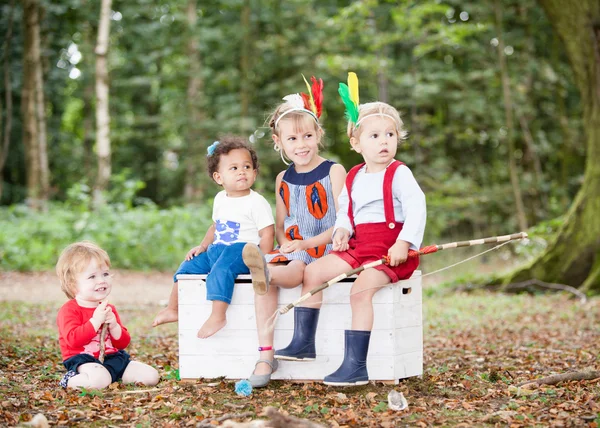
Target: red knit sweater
77	335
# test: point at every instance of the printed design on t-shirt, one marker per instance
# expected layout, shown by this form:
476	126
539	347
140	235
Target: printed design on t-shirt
226	232
93	348
284	192
316	200
293	232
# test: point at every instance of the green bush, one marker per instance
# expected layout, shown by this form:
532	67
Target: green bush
141	238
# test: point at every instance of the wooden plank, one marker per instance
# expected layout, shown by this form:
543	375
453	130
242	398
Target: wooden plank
238	367
407	365
330	342
332	317
193	291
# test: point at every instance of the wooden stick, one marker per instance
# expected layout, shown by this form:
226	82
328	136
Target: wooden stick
207	422
338	278
557	378
103	333
491	240
582	297
411	253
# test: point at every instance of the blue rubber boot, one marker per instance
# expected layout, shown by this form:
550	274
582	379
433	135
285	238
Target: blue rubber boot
353	370
302	346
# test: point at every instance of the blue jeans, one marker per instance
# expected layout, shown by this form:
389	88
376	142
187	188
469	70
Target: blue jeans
222	263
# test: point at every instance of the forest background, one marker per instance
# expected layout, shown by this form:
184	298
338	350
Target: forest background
107	109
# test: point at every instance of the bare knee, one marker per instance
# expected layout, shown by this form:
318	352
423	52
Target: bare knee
94	377
311	279
150	377
142	373
360	298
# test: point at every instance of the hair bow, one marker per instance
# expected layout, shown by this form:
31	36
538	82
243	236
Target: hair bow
211	148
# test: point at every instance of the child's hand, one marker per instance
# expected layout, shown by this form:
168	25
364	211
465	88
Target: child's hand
340	239
113	325
195	251
111	318
291	246
100	313
398	253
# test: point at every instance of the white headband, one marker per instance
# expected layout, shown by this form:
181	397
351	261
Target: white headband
302	109
375	114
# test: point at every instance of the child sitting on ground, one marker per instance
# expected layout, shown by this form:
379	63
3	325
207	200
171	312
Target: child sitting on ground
83	271
240	216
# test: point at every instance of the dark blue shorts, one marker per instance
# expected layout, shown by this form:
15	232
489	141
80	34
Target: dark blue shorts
115	363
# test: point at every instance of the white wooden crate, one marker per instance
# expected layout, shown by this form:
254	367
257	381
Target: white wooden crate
395	351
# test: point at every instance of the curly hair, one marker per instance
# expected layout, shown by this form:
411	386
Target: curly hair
227	144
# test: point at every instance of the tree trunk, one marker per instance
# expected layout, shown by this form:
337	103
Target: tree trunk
87	48
512	165
102	113
6	132
196	140
40	108
246	85
573	257
32	116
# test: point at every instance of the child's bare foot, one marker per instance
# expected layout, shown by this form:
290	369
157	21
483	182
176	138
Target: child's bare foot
213	324
165	316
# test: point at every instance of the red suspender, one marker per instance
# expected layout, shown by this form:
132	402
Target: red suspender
388	196
349	180
388	201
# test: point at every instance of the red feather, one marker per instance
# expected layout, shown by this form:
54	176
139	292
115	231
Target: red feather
317	91
306	100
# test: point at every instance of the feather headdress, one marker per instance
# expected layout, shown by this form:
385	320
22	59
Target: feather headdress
349	94
311	103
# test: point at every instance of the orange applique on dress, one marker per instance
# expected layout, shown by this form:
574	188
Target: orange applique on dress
284	192
316	200
293	233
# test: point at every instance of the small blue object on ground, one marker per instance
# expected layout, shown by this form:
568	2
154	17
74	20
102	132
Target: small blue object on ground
243	388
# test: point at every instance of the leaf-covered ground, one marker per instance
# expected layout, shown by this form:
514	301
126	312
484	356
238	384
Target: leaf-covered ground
478	347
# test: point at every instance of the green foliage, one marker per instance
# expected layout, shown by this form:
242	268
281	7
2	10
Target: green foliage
141	238
171	373
91	393
435	60
380	407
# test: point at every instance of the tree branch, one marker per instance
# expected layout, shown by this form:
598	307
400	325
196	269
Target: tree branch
557	378
582	297
207	422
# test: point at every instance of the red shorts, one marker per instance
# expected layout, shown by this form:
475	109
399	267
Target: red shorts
371	241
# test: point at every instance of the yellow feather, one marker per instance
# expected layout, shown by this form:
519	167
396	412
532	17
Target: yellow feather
313	106
353	86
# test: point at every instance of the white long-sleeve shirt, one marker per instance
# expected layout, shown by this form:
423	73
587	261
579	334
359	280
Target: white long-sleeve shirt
367	203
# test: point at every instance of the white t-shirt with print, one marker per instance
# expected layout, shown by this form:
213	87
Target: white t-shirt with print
240	219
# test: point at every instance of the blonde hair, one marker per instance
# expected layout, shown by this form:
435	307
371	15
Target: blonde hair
300	118
73	260
377	108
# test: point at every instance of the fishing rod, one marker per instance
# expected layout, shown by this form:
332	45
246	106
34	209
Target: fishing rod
430	249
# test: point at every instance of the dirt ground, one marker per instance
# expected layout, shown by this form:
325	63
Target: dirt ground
147	288
38	287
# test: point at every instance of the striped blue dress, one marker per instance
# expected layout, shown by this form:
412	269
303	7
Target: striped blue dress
308	198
